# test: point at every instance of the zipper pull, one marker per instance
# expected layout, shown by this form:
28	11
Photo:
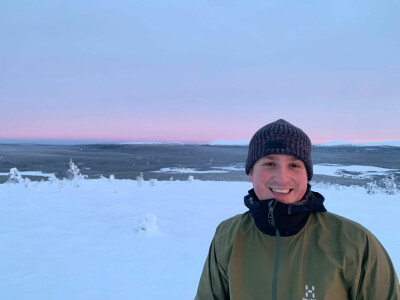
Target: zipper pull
271	214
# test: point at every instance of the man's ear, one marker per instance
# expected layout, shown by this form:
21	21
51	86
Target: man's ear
251	175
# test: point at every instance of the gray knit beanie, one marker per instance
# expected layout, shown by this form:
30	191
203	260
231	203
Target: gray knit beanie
280	137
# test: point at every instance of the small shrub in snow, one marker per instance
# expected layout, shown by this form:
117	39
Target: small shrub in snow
52	179
321	184
111	180
148	223
74	173
15	176
390	186
153	182
27	182
62	183
139	179
372	188
339	187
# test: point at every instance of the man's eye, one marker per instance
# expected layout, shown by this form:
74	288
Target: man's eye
269	164
295	166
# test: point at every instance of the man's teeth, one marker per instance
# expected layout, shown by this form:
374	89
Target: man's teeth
280	191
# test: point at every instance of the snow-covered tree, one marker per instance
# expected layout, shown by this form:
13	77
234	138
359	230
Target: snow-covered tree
139	179
390	185
111	180
15	176
74	173
372	188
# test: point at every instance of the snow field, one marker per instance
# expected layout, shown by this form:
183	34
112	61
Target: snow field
114	239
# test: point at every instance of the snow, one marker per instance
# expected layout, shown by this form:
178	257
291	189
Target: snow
32	173
187	170
123	239
230	168
337	170
230	142
194	171
347	143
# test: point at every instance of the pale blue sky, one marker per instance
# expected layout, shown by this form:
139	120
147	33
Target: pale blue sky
199	70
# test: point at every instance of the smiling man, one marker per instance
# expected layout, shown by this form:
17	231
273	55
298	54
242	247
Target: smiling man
287	246
279	176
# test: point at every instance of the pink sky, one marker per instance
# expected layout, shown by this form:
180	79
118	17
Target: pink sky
188	129
199	71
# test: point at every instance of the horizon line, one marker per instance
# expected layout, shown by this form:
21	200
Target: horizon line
141	142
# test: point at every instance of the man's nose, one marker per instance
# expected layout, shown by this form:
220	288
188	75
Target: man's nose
282	174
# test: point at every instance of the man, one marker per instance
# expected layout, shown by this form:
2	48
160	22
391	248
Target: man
287	246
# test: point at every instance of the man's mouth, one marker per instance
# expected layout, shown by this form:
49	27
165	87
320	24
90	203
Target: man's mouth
281	191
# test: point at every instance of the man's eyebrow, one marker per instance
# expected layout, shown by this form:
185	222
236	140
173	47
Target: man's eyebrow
273	157
269	156
295	159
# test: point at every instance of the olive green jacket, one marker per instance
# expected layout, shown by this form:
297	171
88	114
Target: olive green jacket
331	258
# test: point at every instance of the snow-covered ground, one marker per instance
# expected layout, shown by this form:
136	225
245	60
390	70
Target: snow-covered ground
32	173
355	170
187	170
371	144
194	171
230	142
118	239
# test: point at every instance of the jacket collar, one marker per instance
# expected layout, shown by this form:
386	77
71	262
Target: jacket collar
289	218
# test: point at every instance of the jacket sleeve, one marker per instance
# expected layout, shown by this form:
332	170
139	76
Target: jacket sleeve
378	278
213	283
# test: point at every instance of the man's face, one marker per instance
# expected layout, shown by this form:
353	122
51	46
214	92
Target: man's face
279	176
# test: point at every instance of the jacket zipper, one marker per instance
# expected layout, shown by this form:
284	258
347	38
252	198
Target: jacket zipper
278	251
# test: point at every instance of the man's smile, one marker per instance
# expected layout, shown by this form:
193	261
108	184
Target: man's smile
280	191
